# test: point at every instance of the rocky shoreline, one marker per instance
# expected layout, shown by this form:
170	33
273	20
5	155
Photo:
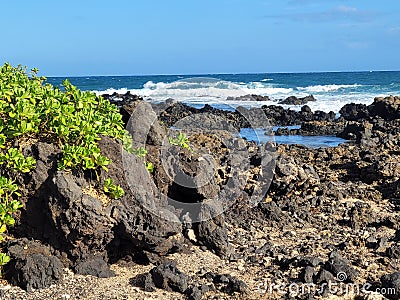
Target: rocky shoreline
330	215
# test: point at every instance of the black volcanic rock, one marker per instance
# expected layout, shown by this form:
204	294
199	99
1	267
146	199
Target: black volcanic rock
212	231
341	266
230	284
387	108
356	131
60	212
293	100
95	266
32	265
321	128
121	99
391	282
250	98
168	277
354	112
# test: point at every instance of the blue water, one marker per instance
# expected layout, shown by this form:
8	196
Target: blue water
258	135
275	128
332	91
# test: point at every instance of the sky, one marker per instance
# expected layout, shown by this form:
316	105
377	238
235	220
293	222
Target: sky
144	37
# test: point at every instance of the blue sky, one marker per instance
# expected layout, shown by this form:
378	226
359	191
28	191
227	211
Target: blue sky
129	37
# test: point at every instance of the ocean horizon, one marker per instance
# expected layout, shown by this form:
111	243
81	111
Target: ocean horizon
332	90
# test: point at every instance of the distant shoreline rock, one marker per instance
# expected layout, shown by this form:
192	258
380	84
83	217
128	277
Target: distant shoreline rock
293	100
252	97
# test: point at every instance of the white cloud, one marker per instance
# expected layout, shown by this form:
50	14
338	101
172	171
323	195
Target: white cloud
394	30
357	45
301	2
346	9
338	13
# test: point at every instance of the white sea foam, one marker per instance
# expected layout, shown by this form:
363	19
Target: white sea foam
268	91
334	103
216	92
112	91
181	90
266	79
326	88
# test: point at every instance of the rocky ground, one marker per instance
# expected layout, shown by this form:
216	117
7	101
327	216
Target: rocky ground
329	219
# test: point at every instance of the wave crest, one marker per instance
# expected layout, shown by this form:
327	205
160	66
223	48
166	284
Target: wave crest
204	87
326	88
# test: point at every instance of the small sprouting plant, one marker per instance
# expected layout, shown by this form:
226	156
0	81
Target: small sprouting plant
140	152
180	140
113	190
149	166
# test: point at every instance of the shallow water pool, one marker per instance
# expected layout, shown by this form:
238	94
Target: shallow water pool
259	136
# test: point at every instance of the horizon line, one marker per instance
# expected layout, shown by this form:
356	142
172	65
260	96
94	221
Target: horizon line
203	74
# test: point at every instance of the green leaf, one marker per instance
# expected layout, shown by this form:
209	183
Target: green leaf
3	228
4	259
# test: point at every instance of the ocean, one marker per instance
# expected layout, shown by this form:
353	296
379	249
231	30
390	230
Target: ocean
331	89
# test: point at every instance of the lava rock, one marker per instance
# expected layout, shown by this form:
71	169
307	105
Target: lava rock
143	124
283	131
168	277
307	275
230	284
32	265
196	292
392	282
293	100
323	116
193	177
354	112
357	131
311	261
121	99
393	251
272	211
315	128
341	266
81	223
176	112
144	221
95	266
250	98
144	281
387	108
212	232
325	276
